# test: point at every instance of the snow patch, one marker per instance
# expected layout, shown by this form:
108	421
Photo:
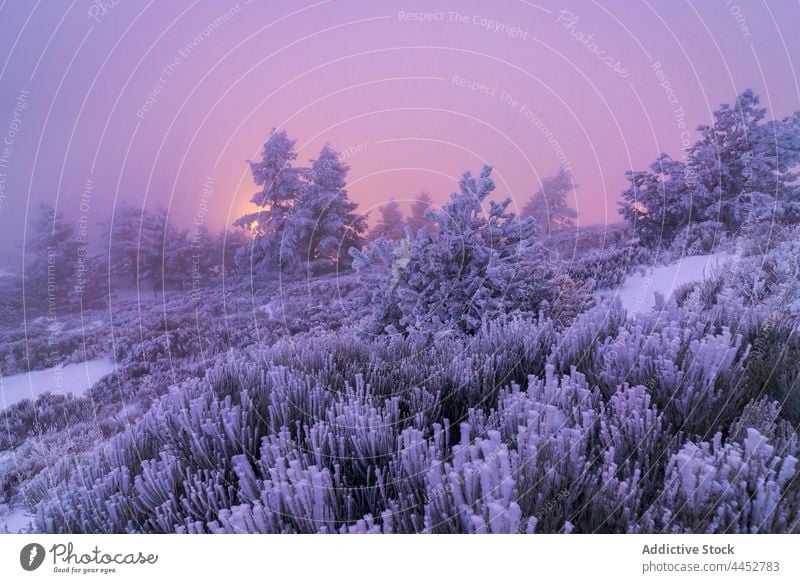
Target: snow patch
637	292
18	520
74	378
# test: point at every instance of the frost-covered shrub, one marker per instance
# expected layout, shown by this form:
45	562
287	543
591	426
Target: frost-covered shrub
762	415
608	266
577	345
475	492
699	239
771	277
481	264
43	344
554	448
773	369
348	405
290	498
48	413
633	443
697	379
716	487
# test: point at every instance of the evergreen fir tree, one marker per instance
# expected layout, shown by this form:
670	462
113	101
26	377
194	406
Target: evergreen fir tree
50	271
323	225
307	220
481	265
281	184
391	224
548	206
419	209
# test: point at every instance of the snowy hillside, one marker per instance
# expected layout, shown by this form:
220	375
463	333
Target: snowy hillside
461	370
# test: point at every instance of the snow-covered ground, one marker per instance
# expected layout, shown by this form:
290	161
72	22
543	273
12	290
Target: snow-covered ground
72	378
637	292
16	520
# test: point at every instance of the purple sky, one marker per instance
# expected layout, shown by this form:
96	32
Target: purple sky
395	94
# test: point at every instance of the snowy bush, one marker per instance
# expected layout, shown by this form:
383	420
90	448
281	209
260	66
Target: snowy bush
699	239
608	267
481	264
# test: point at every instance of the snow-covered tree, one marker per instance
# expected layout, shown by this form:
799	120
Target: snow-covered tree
391	224
741	159
123	238
167	258
280	184
62	260
308	219
482	264
323	224
204	253
10	298
51	258
660	202
146	249
742	169
548	206
226	245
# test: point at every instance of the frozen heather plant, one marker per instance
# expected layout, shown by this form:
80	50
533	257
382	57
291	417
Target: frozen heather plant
732	487
476	491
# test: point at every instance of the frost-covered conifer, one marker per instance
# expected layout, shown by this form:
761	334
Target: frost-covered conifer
548	206
482	263
146	249
742	169
660	202
744	163
280	184
418	217
165	256
122	241
391	224
323	225
307	218
50	270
